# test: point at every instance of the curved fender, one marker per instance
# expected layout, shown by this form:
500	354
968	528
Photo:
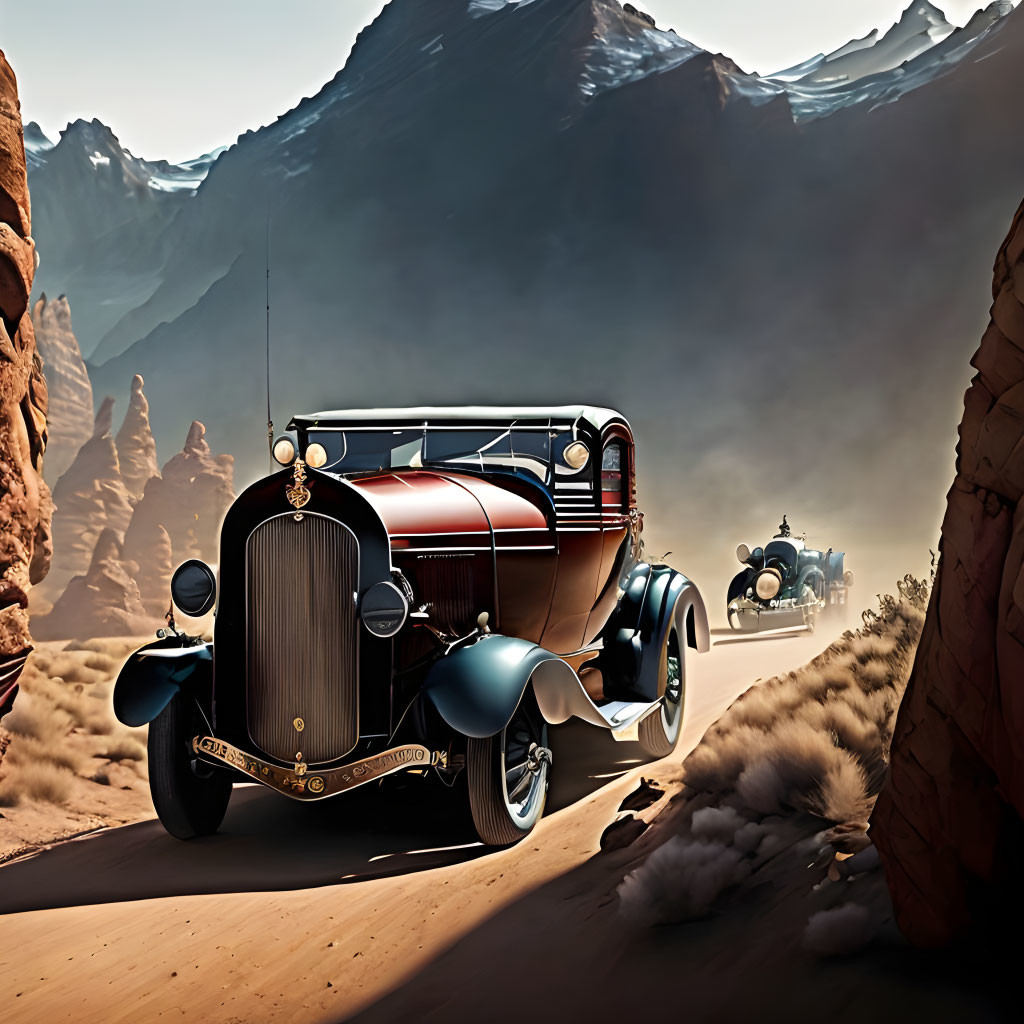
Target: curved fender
154	674
655	598
738	585
476	689
806	574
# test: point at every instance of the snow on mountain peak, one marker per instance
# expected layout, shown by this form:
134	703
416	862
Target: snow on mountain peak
37	145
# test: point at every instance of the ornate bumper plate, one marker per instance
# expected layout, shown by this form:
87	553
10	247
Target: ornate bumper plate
311	784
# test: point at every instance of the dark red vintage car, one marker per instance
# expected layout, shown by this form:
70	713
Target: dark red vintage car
422	589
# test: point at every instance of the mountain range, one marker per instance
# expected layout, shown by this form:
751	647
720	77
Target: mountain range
777	278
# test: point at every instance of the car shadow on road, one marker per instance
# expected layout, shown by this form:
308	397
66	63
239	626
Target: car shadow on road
271	843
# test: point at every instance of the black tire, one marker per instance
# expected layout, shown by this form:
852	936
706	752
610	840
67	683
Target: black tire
495	763
659	732
187	805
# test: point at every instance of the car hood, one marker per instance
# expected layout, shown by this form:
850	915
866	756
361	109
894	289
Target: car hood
417	502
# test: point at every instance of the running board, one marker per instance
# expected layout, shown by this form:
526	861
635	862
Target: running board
561	696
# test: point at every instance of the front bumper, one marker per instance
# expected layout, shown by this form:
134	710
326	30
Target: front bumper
303	783
745	614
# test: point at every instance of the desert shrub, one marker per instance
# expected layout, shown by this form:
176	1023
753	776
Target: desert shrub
839	931
73	669
717	761
125	748
38	780
680	881
817	740
37	718
54	749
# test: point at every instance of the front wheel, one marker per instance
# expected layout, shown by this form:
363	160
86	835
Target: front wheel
659	732
508	776
186	804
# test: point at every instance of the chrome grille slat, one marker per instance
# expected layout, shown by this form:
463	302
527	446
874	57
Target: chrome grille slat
301	637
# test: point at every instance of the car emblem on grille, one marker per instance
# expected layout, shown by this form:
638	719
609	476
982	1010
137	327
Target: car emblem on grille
299	724
297	492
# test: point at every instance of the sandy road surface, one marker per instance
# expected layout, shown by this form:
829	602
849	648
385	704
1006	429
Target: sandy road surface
312	912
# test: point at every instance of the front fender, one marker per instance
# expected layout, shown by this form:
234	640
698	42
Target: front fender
655	598
476	689
154	674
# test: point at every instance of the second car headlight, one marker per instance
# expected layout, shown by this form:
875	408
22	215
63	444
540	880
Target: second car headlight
767	584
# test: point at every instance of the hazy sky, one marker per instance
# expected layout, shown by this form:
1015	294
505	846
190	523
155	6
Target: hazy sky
178	79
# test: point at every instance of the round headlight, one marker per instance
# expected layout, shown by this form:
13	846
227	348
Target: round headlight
284	450
193	587
316	455
576	455
384	609
768	584
743	553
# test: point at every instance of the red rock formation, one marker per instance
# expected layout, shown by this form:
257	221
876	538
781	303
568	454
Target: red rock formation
69	419
136	449
189	499
103	602
147	547
949	822
25	506
89	497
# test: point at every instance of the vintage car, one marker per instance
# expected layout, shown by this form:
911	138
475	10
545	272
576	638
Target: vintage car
423	590
785	583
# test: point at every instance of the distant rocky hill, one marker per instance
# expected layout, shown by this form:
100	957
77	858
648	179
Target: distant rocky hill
122	524
100	215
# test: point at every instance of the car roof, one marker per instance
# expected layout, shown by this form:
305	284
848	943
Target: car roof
597	416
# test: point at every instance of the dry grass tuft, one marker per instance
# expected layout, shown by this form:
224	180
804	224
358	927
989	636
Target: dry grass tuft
41	780
125	748
680	881
64	700
840	931
817	740
813	742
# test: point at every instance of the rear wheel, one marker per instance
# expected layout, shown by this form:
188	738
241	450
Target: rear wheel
659	732
186	804
508	776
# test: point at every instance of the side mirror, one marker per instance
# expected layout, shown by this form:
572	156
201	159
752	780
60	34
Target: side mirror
743	553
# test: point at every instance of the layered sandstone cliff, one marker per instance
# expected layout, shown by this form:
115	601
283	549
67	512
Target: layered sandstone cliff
950	820
25	505
69	419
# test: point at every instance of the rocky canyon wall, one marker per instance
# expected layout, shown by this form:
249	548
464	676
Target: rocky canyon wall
949	822
25	505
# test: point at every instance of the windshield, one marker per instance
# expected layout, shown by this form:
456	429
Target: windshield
529	450
356	451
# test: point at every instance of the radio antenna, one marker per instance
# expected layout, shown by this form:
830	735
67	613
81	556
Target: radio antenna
270	421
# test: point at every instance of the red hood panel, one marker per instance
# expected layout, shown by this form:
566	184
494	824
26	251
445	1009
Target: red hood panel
417	503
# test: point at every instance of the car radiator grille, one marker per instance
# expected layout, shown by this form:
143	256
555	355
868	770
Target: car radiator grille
447	582
302	644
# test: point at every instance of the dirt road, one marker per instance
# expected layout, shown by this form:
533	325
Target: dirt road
313	912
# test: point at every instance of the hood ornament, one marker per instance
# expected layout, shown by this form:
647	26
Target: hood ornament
297	492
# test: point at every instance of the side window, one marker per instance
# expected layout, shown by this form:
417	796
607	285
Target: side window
614	477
